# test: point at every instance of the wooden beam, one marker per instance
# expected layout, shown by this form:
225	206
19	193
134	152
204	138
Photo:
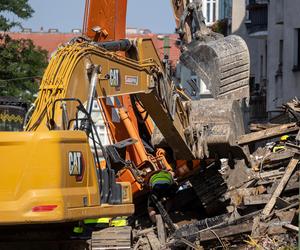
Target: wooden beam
161	230
254	127
269	174
225	231
291	227
153	240
256	199
287	175
267	133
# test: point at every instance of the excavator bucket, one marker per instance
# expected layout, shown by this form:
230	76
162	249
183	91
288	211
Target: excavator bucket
222	64
217	123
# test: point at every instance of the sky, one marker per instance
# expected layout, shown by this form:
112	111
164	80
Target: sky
66	15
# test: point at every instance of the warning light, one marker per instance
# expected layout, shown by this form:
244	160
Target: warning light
44	208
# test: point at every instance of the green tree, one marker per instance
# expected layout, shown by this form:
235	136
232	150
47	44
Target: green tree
21	62
19	8
21	67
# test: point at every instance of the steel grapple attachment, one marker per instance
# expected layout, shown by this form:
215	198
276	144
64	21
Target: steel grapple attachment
222	64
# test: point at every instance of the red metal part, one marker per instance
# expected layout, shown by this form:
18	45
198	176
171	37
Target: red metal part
109	15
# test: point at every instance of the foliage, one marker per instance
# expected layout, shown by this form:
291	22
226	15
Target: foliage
21	62
19	8
220	26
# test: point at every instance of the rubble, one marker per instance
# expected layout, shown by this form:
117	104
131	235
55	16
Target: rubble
261	201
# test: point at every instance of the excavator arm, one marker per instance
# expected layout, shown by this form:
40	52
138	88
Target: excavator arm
212	58
222	63
91	66
89	70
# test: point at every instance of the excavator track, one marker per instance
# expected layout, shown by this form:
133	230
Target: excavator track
210	188
112	238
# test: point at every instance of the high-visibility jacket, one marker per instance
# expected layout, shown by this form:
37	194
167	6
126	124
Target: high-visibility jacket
97	221
119	222
115	222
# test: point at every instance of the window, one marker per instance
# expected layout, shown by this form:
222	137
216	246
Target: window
297	50
208	12
281	52
261	66
280	59
211	9
279	7
214	12
298	47
252	84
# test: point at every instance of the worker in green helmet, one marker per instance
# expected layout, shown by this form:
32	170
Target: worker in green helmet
163	186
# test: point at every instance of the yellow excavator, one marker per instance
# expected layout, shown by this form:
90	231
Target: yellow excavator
51	179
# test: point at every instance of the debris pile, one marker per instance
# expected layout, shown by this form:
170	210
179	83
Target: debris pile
262	199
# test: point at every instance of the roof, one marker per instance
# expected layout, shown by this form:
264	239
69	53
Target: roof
50	41
47	41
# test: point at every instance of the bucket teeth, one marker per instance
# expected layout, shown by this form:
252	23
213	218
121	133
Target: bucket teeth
217	123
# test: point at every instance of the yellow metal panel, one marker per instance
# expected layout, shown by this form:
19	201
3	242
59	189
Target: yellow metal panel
35	172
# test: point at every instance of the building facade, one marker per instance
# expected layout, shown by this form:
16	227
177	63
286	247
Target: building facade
284	53
250	21
271	29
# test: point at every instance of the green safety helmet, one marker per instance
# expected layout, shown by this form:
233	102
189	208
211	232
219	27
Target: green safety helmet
161	177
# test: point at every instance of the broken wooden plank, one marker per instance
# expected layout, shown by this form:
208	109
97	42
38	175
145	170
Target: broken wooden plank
286	216
291	227
279	157
145	231
254	127
161	230
293	147
153	240
256	199
287	175
268	174
268	133
226	231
